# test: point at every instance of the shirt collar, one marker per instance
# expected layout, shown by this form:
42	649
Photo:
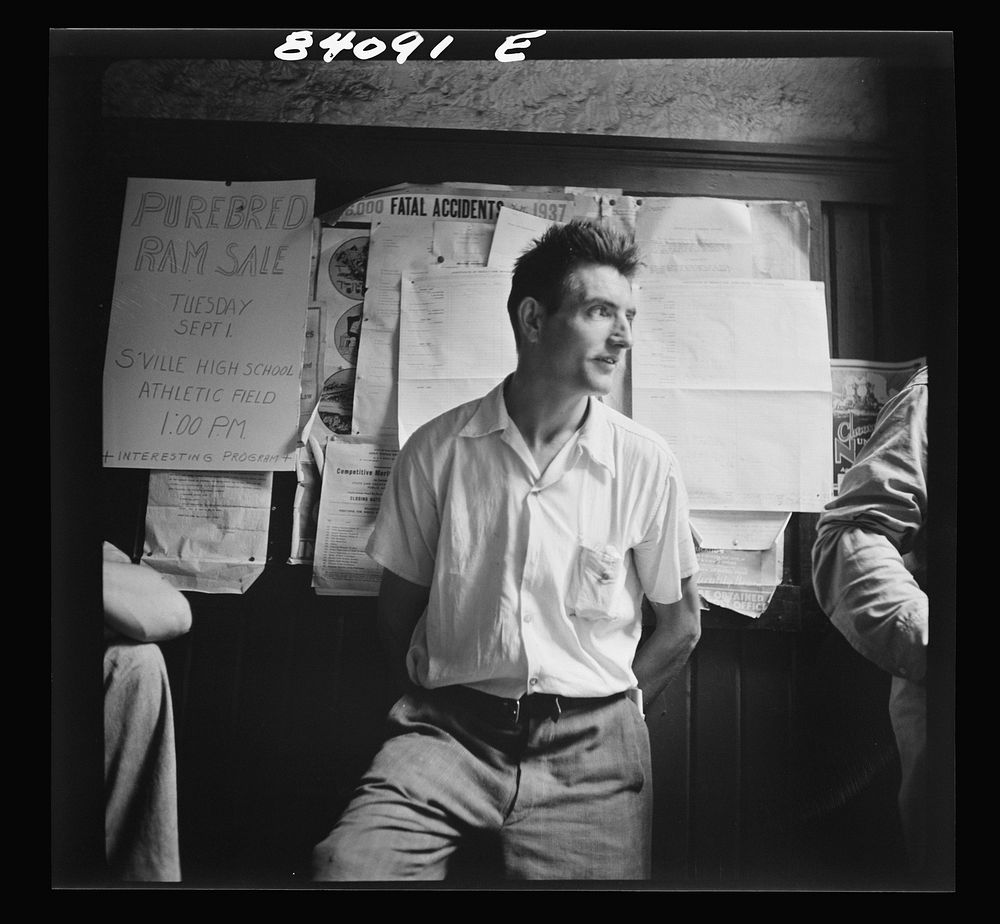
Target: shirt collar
490	416
595	436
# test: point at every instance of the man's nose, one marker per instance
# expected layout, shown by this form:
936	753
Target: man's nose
622	333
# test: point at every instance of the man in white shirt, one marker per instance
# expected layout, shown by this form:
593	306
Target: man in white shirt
519	533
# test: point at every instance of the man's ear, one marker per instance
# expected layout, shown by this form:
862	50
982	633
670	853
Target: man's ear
530	316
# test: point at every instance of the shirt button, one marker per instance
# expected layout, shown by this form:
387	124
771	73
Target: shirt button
533	681
527	617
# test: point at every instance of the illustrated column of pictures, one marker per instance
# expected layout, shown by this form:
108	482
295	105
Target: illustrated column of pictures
340	288
860	390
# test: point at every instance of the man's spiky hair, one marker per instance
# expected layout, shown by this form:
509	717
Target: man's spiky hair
543	272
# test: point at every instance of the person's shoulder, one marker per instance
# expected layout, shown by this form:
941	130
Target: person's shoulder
439	431
910	399
919	378
637	439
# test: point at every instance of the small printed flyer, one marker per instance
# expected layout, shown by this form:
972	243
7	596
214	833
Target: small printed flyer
860	390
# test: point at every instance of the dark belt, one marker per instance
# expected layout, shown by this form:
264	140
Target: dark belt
508	713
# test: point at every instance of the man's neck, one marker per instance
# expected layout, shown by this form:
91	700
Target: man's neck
545	418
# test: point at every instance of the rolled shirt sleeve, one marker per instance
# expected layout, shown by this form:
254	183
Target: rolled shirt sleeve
666	555
860	577
405	536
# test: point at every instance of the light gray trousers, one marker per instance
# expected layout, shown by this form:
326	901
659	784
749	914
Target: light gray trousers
140	769
567	797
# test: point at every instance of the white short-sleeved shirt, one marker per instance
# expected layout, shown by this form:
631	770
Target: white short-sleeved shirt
536	581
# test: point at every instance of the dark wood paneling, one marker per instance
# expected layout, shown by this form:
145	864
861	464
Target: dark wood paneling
901	325
840	802
716	744
668	718
850	281
767	758
207	765
281	701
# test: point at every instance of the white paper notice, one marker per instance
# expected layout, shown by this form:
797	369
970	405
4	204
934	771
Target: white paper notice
708	238
738	529
735	375
396	247
461	243
590	201
743	581
515	232
705	238
207	320
455	342
407	226
620	211
354	477
780	239
208	530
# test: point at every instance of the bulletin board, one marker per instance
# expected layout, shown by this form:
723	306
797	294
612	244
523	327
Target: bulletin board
349	164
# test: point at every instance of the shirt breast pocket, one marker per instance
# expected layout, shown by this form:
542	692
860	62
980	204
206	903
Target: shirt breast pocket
597	584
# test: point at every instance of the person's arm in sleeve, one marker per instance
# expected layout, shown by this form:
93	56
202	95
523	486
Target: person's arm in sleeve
859	575
404	543
667	568
140	604
664	653
401	603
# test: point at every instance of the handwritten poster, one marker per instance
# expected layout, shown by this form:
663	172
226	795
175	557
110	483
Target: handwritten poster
204	348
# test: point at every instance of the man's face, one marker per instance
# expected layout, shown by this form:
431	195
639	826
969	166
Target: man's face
585	341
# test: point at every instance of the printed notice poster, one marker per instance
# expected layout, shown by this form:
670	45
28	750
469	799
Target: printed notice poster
696	237
741	580
860	391
207	531
735	375
207	322
408	235
454	345
354	477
